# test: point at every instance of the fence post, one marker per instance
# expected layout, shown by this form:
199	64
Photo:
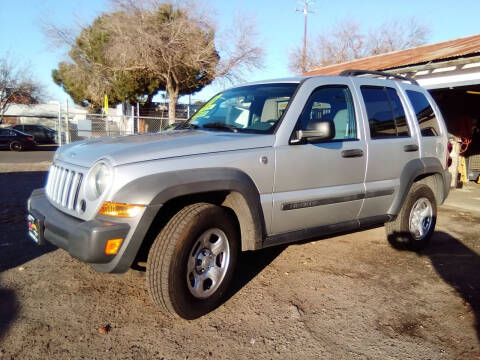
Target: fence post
67	126
59	123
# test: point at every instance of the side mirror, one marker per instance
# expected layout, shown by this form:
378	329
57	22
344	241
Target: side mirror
317	131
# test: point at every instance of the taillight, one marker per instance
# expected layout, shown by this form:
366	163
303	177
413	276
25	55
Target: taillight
449	150
30	138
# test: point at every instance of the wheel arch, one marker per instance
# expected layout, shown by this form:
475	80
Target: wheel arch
167	193
428	171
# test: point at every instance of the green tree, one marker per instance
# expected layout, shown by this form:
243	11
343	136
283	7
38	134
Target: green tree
91	72
144	46
167	42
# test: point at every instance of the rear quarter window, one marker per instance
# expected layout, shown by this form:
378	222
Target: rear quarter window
386	116
425	116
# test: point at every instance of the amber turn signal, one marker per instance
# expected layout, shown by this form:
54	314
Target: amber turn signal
112	246
120	210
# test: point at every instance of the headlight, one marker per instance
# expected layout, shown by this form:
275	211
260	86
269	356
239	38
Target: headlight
99	177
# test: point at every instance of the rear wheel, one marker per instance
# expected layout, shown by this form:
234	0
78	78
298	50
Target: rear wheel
415	223
192	260
16	146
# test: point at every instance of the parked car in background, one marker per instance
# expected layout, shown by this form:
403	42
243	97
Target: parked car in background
16	140
43	134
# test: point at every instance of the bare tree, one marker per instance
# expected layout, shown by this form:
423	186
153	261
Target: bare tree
177	44
347	42
16	85
239	53
173	45
395	35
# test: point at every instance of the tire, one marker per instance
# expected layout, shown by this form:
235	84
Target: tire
16	146
415	224
192	260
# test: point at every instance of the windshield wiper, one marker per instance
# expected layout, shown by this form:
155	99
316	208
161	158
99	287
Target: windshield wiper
220	126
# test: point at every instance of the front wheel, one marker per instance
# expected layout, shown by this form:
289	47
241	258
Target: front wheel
191	262
415	223
16	146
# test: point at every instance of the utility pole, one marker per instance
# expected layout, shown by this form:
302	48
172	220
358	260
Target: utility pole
305	12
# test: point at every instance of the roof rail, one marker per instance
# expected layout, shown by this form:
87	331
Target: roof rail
380	73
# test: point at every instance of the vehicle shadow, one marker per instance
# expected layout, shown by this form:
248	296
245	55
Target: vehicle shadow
250	264
459	267
38	147
15	246
9	310
46	147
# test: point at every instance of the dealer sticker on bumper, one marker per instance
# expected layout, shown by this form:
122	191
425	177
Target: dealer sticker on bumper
35	229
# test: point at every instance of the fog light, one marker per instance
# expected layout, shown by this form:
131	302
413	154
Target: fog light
112	246
120	210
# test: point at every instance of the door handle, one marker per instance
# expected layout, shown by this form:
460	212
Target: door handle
352	153
410	148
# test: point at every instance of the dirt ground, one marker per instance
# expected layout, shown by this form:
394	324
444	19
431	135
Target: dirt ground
346	297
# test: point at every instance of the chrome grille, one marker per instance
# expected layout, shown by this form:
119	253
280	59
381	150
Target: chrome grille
63	185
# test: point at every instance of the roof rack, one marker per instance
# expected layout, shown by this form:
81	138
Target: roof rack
380	73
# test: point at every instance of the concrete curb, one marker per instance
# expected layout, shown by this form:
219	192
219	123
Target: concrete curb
23	167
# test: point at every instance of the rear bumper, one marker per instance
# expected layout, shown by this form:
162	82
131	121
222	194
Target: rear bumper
86	240
447	180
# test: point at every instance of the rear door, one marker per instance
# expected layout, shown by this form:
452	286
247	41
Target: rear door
318	184
392	143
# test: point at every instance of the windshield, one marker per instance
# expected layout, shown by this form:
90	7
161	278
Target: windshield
254	108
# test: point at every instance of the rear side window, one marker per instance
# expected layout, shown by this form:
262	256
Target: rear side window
333	103
7	132
425	116
386	116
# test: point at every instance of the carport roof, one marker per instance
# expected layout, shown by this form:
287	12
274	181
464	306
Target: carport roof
465	46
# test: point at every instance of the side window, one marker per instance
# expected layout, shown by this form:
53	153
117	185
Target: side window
425	116
386	115
332	103
398	112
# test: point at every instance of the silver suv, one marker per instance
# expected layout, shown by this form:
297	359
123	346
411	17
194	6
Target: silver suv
263	164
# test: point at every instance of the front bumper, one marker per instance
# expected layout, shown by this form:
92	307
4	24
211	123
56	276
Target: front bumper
84	240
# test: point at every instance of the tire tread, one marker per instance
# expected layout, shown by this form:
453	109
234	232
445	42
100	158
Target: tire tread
161	254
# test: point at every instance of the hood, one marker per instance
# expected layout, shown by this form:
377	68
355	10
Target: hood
121	150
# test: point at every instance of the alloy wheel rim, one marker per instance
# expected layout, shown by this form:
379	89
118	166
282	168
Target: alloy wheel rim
208	263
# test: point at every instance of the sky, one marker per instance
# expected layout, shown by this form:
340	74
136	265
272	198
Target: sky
279	27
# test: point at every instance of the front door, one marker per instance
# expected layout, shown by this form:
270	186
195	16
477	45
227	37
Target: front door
321	183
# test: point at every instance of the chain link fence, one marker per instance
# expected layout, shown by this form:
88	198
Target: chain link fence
74	123
87	126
